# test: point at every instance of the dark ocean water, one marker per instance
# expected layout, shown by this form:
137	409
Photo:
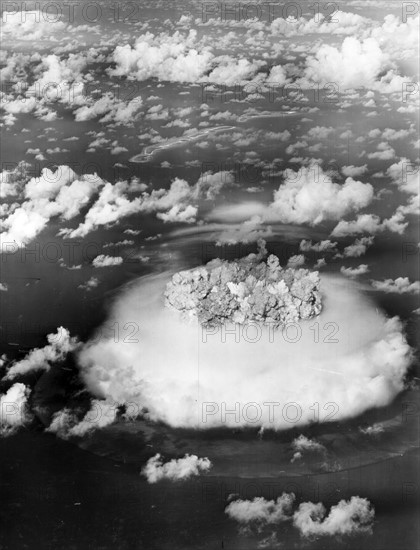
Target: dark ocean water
55	495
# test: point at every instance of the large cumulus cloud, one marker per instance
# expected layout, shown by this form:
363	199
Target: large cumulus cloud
356	63
310	196
345	518
174	58
348	517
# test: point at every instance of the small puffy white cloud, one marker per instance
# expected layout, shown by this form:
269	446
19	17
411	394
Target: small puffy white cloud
176	469
91	283
303	444
277	76
390	134
234	213
398	223
210	184
384	152
354	171
319	132
405	175
320	263
59	345
61	423
374	430
260	511
358	248
373	134
350	517
230	71
179	214
14	409
249	231
401	285
106	261
32	151
294	147
110	109
100	415
321	246
364	223
309	196
65	423
354	271
118	149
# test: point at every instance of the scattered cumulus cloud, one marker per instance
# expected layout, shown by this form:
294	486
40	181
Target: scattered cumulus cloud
351	517
59	345
348	517
176	469
14	409
66	424
91	283
106	261
354	271
401	285
261	511
309	196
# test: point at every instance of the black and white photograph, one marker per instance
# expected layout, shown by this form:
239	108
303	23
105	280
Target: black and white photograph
209	275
